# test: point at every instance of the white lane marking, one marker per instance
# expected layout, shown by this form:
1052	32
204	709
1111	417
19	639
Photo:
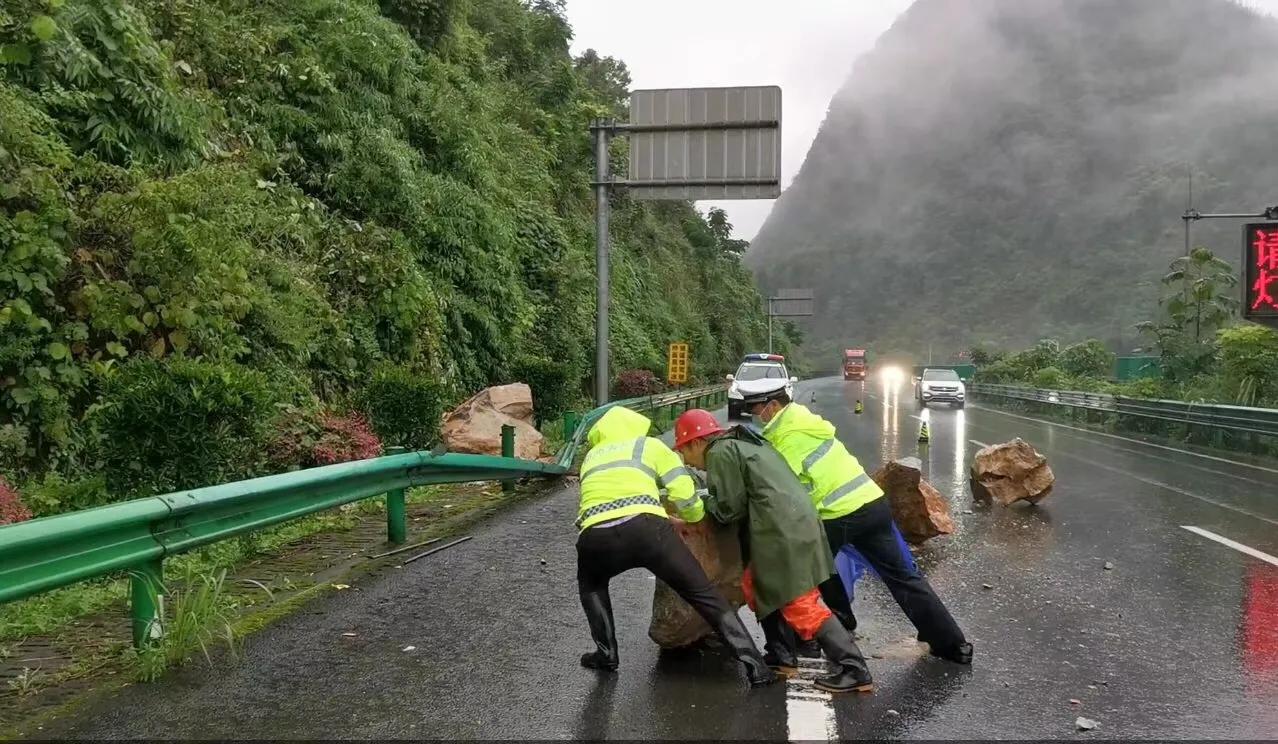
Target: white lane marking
978	443
1167	487
809	712
1129	439
1176	461
1267	558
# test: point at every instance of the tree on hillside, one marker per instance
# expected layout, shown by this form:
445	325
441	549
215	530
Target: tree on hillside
1205	300
1197	300
722	229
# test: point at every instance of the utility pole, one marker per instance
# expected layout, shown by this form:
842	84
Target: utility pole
602	130
769	325
1189	208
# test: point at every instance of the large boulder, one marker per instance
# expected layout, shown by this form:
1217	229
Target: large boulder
1010	472
919	510
474	427
674	623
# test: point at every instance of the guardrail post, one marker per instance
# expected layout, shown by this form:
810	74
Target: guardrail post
507	450
396	510
570	425
146	602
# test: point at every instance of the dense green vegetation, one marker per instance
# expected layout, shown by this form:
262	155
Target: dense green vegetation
227	226
999	171
1204	353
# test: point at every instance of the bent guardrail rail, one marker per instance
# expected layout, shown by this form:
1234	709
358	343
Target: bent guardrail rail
137	535
1244	419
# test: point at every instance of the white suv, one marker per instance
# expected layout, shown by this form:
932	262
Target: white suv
941	386
757	371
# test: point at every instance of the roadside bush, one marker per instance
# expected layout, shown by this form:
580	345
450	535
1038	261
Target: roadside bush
1051	377
998	373
403	406
1249	364
345	438
636	383
554	387
56	493
12	509
1087	359
167	425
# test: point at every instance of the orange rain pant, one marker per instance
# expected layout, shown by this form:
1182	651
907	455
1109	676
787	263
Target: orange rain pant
805	614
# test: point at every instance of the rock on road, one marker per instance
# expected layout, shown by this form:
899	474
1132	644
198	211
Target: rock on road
1179	639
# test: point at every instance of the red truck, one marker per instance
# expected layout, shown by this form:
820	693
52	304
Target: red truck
855	364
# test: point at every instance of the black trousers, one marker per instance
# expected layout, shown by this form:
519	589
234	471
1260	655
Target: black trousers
647	541
869	530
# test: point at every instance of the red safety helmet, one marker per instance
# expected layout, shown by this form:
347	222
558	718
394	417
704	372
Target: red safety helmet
695	424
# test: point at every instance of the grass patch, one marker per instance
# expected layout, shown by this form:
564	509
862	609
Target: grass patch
51	612
199	615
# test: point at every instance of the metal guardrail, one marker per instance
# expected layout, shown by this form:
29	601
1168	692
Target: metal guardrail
1260	421
1072	398
137	535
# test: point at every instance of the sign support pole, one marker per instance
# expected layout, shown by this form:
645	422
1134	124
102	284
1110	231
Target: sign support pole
769	325
601	131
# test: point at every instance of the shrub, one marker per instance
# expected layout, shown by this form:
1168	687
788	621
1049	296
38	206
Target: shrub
403	406
345	438
180	423
554	387
1249	364
1087	359
1051	377
12	509
56	493
635	383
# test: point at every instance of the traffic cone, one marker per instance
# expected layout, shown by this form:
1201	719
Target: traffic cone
924	435
859	408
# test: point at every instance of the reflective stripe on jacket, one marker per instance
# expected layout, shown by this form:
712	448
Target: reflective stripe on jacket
834	478
626	471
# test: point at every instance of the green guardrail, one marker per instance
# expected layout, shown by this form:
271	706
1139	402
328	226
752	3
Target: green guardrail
136	536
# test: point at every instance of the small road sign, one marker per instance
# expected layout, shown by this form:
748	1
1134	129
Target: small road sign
677	364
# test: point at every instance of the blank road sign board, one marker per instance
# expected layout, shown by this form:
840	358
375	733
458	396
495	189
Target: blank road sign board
705	143
791	303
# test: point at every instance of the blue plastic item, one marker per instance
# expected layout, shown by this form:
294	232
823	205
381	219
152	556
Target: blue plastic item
851	565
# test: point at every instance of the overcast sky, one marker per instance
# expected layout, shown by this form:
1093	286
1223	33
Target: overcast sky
805	46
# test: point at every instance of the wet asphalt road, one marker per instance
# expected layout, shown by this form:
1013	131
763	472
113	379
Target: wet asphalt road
1178	640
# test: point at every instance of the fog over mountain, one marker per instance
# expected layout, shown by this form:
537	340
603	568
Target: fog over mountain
1004	170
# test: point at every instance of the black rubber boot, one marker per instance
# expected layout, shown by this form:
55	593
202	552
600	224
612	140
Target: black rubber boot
960	654
852	675
836	598
737	638
598	607
779	645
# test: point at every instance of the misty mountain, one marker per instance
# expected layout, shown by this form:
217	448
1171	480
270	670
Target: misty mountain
1004	170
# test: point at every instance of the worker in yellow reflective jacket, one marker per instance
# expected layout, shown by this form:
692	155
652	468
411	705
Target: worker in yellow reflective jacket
624	525
854	511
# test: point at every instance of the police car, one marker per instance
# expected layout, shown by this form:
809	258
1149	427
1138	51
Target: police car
757	373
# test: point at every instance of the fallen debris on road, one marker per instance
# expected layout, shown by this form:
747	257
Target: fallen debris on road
1010	472
716	547
918	509
474	427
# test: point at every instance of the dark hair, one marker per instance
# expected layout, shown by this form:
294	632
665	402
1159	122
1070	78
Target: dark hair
782	397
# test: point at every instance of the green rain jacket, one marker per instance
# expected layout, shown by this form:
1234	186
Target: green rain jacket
748	480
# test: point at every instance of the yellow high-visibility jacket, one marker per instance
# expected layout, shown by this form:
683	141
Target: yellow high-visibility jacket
833	476
626	470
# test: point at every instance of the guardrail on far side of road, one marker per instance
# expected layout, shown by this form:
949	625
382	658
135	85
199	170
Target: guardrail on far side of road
1238	419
